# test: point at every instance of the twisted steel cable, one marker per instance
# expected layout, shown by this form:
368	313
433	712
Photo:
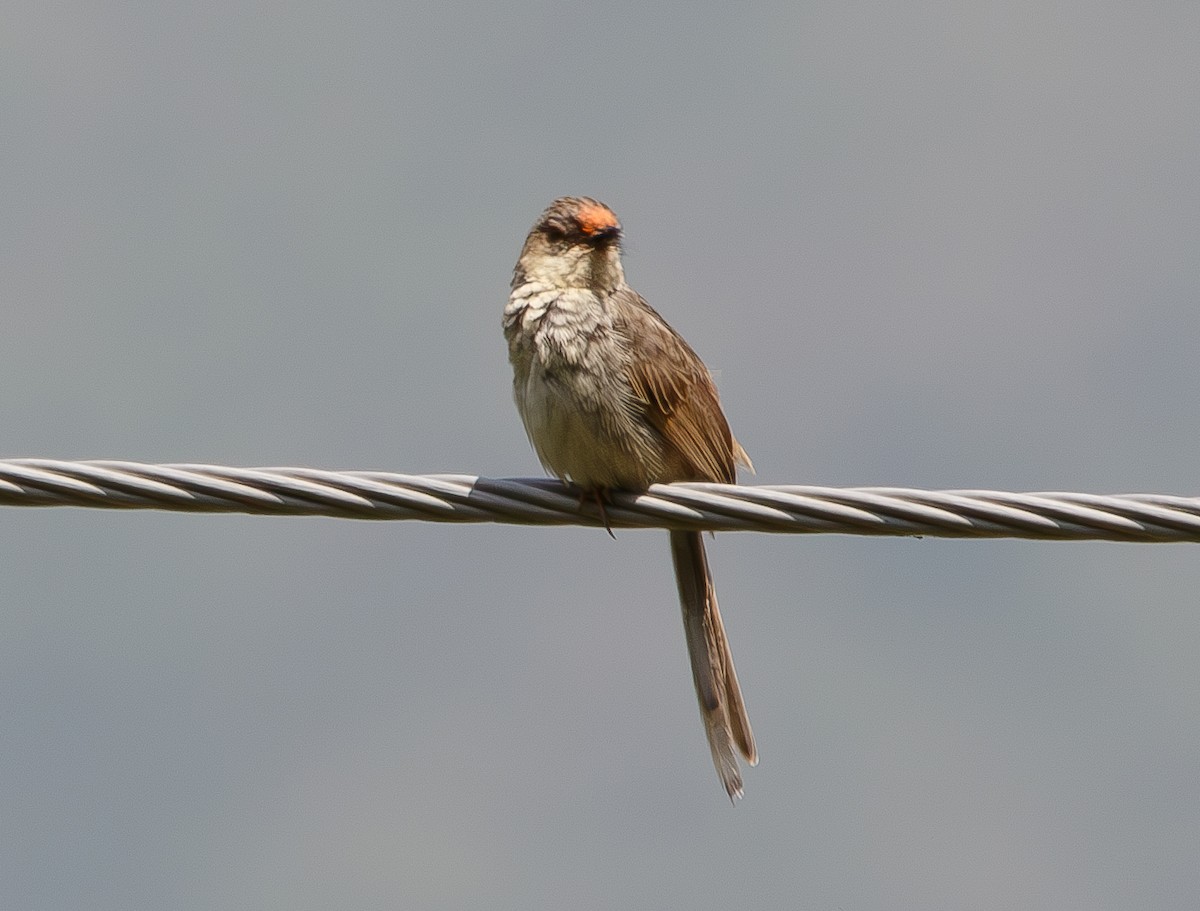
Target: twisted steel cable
792	509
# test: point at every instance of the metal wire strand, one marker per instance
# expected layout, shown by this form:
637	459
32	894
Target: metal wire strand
791	509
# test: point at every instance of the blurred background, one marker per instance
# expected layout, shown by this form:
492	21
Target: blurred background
926	244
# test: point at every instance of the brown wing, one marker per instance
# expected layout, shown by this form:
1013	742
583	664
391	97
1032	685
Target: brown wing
673	385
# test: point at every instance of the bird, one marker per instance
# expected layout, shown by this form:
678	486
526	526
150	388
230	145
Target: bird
612	398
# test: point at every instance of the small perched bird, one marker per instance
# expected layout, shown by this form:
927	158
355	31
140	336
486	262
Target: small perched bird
614	399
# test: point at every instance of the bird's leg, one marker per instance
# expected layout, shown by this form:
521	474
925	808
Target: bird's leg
598	495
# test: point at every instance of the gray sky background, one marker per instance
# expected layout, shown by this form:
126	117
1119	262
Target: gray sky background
932	244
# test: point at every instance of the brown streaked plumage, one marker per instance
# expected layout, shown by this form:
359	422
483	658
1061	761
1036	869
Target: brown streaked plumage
613	398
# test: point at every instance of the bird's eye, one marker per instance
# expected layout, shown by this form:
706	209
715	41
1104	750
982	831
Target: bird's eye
554	232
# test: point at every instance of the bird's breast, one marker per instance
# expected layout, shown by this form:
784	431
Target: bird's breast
572	390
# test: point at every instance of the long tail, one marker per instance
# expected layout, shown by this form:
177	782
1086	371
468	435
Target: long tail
720	697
